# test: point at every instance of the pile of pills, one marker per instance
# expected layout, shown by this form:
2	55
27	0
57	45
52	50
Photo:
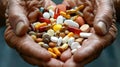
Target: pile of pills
57	30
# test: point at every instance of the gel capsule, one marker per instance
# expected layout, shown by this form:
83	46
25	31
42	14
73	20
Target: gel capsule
74	30
41	19
57	13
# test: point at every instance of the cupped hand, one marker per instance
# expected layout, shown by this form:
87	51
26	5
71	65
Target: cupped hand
20	13
99	14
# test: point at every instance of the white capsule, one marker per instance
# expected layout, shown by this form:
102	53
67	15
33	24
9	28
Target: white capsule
50	32
46	15
65	39
51	12
71	23
75	45
71	40
85	35
73	51
59	41
54	39
60	20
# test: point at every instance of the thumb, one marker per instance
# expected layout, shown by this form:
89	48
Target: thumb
17	17
104	16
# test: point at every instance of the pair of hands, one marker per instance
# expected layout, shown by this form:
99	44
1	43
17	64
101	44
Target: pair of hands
99	13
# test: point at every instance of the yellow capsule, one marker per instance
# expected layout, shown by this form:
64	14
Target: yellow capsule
53	54
65	15
71	34
71	11
57	27
34	37
50	49
56	51
80	7
38	25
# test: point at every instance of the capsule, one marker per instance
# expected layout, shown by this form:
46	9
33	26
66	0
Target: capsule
80	20
41	19
57	27
71	40
54	39
74	30
66	38
65	15
60	20
53	54
56	13
85	28
85	35
63	47
59	41
56	51
71	23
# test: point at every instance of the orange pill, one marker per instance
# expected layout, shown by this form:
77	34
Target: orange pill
62	7
80	20
56	51
53	54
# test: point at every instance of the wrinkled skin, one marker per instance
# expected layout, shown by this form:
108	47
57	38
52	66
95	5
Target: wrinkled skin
103	11
19	12
15	35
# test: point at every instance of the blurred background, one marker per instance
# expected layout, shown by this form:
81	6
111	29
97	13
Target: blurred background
110	57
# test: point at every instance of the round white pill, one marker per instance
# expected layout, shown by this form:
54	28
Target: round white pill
46	15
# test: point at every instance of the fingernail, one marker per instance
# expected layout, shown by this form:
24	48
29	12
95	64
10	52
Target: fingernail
19	28
102	27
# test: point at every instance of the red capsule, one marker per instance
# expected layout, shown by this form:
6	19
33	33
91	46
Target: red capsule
43	29
57	13
74	30
41	19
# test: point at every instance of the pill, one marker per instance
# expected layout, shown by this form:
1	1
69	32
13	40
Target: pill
80	20
56	51
41	43
80	40
56	13
74	30
71	11
50	49
71	23
45	46
51	13
60	20
46	38
41	9
38	25
46	15
85	28
59	41
66	31
41	19
50	32
52	20
38	40
85	35
63	47
32	33
71	40
67	16
52	44
75	45
53	54
62	34
80	7
62	7
57	27
33	37
74	18
73	51
54	39
66	38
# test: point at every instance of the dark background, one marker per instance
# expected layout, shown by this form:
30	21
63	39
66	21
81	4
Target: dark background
110	57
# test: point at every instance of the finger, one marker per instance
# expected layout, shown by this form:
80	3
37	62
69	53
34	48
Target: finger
71	63
91	48
66	55
26	46
104	16
32	61
70	3
17	17
53	63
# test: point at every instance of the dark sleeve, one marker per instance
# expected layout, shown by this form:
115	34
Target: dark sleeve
117	8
